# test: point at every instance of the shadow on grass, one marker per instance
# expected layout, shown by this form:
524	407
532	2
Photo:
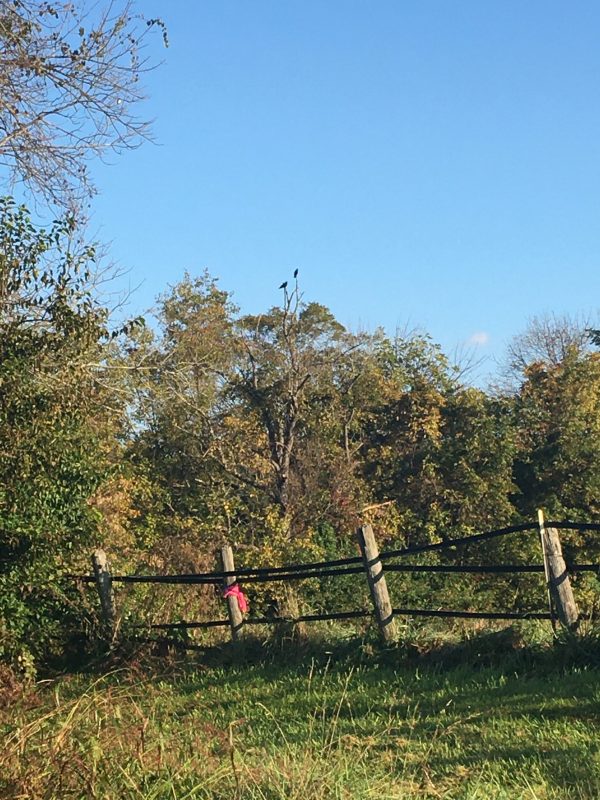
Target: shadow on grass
448	699
506	649
491	705
563	767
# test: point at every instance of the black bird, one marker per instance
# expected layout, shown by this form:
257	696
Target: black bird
284	285
295	273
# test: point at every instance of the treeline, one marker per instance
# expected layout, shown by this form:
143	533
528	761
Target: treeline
277	432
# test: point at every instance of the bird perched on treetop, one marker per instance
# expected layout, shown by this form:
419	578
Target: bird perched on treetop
284	285
295	273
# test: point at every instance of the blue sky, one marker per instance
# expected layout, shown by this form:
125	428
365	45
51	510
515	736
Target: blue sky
431	164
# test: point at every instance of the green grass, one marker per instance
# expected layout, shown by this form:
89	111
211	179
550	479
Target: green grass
480	720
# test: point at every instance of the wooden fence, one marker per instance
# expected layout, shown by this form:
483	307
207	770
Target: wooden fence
561	603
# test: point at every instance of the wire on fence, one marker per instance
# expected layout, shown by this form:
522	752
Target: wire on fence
476	537
399	612
321	569
170	643
261	620
418	612
485	568
574	526
206	579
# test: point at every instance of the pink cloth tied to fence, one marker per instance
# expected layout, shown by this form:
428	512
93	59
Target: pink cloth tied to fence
235	591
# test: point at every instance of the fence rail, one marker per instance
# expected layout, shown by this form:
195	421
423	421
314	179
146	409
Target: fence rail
561	603
341	615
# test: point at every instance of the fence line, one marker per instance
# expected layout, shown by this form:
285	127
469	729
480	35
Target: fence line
254	574
574	526
208	579
269	572
370	561
341	615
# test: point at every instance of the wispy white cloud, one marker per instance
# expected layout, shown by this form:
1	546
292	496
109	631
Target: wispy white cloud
478	339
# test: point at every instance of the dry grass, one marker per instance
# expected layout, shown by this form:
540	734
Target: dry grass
338	725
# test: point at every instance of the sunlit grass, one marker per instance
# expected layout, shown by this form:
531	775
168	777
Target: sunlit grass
354	722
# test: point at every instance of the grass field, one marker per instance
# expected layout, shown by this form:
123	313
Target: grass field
476	720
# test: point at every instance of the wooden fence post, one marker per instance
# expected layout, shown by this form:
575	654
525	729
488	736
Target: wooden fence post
377	584
546	568
105	591
557	576
236	618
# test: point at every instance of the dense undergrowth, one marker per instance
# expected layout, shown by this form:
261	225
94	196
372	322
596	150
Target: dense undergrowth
505	713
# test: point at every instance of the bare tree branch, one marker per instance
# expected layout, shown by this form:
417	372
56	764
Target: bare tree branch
69	87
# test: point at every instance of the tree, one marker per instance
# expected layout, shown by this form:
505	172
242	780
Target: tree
178	375
441	451
287	354
246	419
57	428
557	416
69	88
547	340
404	426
